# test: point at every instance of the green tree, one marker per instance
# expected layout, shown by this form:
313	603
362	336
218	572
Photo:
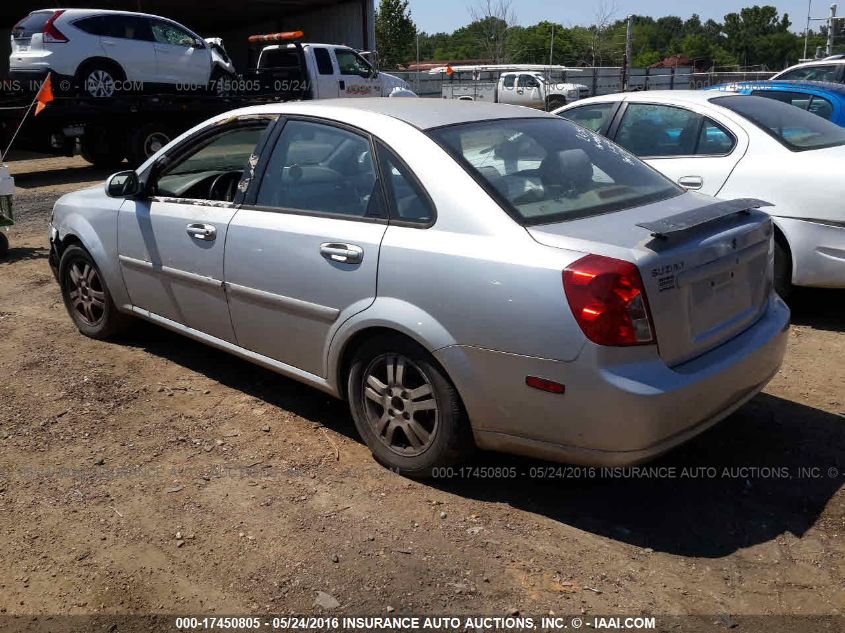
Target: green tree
395	33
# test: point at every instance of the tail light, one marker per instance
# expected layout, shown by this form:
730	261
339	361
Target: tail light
608	300
51	33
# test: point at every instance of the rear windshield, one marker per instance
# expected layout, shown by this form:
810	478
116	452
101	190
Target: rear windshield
794	128
550	170
278	58
33	23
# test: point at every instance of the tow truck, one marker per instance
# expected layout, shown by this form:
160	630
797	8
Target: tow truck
528	85
105	131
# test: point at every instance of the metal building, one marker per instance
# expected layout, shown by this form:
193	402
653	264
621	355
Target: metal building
350	22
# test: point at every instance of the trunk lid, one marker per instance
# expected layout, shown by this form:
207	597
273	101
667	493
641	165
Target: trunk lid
707	277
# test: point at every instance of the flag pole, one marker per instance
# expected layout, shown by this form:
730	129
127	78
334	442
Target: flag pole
23	120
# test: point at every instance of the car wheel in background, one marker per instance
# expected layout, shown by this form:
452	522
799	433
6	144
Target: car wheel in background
100	79
146	141
554	102
102	147
406	410
221	81
783	270
86	296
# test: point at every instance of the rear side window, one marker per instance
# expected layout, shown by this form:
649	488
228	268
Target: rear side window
33	23
322	169
279	58
324	61
408	200
126	27
795	129
594	116
509	81
656	130
827	72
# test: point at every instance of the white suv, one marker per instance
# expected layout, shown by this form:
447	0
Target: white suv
827	69
102	52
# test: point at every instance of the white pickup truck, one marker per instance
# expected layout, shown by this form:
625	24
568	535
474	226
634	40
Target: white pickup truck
518	85
320	71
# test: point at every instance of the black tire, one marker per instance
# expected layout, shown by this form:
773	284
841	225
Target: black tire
101	322
443	434
221	82
4	245
783	270
146	141
98	78
102	147
554	102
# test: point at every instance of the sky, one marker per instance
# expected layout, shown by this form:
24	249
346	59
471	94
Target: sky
434	16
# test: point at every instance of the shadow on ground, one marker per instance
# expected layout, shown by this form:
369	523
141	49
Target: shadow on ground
701	503
24	253
821	309
64	176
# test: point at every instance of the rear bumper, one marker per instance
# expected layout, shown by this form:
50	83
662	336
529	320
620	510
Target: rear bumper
622	405
818	252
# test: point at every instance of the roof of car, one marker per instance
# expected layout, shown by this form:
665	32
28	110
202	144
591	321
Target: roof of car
667	96
778	84
423	114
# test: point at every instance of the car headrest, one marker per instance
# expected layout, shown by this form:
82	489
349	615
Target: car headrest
570	169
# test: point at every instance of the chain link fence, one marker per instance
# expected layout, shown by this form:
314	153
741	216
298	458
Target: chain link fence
601	80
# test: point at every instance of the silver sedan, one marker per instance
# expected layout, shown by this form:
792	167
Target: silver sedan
463	274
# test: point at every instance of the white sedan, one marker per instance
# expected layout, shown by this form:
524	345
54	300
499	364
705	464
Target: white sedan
735	146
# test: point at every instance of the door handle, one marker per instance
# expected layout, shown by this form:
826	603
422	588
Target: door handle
203	232
108	42
343	253
691	182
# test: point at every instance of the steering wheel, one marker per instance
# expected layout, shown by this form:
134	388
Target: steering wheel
223	186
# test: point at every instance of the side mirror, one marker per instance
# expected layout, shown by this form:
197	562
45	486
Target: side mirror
123	184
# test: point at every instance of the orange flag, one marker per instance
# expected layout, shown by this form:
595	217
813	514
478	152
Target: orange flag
45	94
449	71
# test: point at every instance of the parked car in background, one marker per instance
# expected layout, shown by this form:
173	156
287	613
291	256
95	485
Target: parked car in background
822	98
731	145
828	69
534	279
518	84
319	71
98	49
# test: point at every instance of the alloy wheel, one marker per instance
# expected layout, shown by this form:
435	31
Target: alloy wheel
400	404
100	84
85	293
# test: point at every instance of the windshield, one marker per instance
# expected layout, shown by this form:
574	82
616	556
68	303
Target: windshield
550	170
794	128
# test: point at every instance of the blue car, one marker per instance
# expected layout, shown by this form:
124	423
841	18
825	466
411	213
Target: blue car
823	98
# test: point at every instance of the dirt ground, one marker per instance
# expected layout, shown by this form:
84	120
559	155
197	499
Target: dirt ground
155	475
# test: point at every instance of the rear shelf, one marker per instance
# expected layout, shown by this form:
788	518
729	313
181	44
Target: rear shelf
706	265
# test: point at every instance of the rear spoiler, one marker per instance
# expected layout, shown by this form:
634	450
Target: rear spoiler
665	227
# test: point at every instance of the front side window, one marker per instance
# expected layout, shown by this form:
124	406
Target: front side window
322	169
594	116
213	169
649	130
827	72
548	170
167	33
351	63
795	129
821	107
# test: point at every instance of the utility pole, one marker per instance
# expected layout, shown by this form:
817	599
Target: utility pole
807	30
418	62
552	47
830	26
629	48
